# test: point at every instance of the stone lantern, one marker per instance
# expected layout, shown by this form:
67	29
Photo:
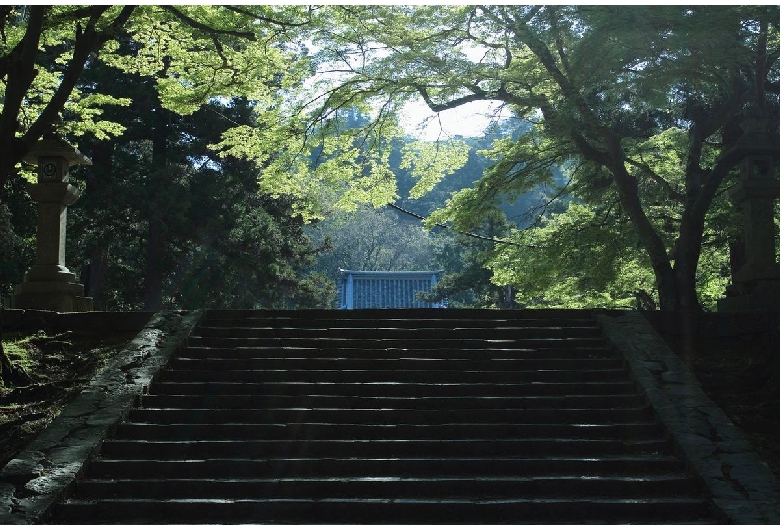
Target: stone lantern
49	285
756	286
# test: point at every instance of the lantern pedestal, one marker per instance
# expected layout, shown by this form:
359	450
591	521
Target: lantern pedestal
758	295
49	285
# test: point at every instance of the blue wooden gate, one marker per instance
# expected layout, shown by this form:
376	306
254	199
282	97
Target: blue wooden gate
386	289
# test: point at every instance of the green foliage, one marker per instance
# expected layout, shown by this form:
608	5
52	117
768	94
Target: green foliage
638	105
584	257
194	54
430	162
196	221
467	281
349	162
619	149
574	260
17	235
88	110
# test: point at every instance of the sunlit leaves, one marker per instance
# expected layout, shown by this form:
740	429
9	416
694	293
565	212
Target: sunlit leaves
574	260
199	52
431	161
194	53
634	100
342	169
89	109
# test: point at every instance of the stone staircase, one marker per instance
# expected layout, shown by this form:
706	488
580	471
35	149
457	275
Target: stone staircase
391	417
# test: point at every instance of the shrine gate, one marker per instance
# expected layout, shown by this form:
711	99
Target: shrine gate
386	289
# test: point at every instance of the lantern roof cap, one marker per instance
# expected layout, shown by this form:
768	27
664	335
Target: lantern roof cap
54	145
756	140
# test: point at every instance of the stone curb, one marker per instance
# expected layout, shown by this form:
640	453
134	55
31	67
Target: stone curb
44	471
741	485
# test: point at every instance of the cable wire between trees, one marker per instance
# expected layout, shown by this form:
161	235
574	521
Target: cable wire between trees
469	234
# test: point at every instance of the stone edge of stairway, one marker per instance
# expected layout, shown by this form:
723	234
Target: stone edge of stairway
43	472
741	485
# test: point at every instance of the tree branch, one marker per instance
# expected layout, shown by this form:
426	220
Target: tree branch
87	42
21	71
204	28
255	16
655	177
439	107
761	65
5	12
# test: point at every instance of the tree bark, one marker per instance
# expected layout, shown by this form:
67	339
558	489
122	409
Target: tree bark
100	172
95	287
21	71
153	284
772	386
686	256
157	239
670	284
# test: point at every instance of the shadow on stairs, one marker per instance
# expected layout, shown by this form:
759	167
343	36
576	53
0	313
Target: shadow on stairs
390	417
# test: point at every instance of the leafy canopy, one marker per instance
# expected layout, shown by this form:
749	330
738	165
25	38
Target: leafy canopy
195	53
640	105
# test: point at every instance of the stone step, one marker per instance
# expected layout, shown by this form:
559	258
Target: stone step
406	316
398	390
390	417
350	466
405	333
385	416
456	353
666	510
408	487
400	342
479	325
214	364
153	449
395	376
360	431
253	401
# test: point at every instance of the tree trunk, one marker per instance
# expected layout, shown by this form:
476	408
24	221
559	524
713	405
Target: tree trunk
772	386
20	74
157	240
95	284
155	249
5	362
686	254
665	278
677	284
100	173
687	299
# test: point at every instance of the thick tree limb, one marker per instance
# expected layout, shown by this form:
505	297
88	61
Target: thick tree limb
457	102
655	177
21	72
267	20
89	41
205	28
19	76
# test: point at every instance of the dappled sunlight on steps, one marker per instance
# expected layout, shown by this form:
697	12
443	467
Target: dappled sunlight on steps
385	416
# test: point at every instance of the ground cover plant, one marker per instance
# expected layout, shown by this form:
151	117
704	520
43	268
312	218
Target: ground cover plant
56	366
